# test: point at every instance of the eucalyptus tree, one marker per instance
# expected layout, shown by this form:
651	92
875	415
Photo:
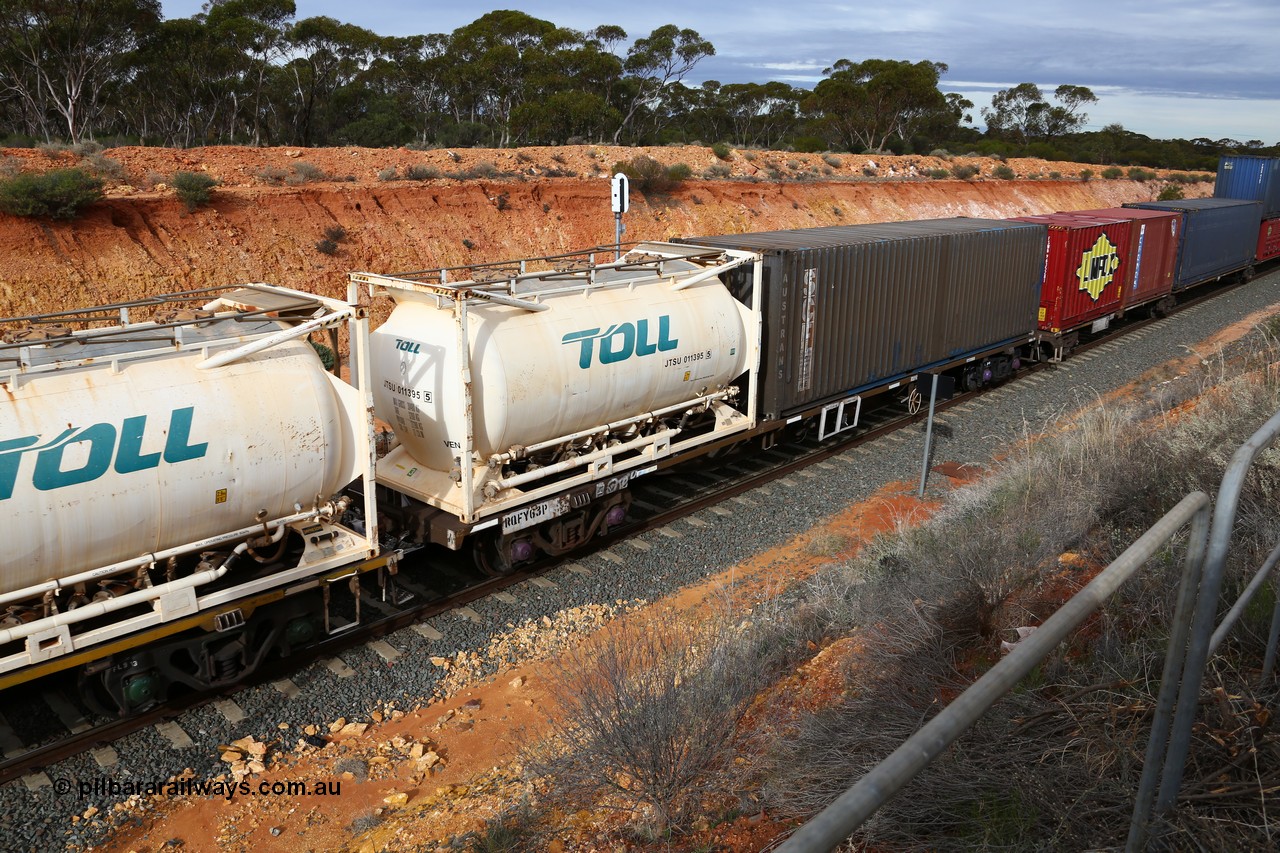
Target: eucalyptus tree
257	32
656	62
327	56
862	105
62	58
1022	112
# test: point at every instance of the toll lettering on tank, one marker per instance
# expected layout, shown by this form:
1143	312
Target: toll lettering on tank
108	447
408	346
621	341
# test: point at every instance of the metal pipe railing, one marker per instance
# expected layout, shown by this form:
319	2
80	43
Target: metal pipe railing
834	824
1202	625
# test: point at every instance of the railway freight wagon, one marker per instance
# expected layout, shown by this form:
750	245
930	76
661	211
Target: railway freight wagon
526	396
1256	178
171	472
1219	236
852	310
1153	244
1086	266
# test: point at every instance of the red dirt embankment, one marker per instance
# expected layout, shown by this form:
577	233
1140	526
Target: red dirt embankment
141	240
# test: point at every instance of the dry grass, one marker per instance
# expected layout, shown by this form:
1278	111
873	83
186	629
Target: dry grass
1054	766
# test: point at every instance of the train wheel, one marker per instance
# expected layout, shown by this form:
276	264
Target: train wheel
497	558
112	695
914	399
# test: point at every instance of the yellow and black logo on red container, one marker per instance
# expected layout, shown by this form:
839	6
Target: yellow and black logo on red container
1098	267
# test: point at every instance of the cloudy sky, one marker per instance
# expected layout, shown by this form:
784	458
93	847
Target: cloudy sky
1169	68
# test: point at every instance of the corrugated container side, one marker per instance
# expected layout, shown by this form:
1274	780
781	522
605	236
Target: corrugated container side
1248	177
1087	265
1219	236
1269	239
849	309
1154	247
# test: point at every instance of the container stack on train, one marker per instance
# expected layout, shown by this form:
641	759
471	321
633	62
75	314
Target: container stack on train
1219	237
1256	178
1086	265
852	310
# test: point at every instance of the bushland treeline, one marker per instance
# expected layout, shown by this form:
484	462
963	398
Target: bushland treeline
250	72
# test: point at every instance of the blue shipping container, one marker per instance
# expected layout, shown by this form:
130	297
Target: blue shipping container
1219	236
1248	177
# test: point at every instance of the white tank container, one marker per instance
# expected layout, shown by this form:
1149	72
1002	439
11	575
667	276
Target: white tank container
98	467
591	359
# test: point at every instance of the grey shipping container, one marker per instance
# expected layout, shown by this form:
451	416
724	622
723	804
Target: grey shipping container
1219	236
851	309
1250	177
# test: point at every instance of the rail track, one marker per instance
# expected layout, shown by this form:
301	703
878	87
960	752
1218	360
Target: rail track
46	722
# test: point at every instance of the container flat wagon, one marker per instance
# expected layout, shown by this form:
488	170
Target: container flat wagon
1219	236
854	310
1086	264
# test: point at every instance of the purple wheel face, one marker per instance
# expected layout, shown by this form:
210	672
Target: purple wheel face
521	550
615	515
987	374
1017	363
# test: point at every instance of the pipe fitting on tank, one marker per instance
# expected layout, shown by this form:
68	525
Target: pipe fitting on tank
491	489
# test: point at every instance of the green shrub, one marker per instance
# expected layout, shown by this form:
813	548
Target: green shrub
305	173
1086	175
388	174
193	188
964	172
325	353
10	167
419	172
722	150
1111	173
716	170
1138	174
1003	172
940	153
57	194
326	247
53	150
809	144
273	175
937	174
1055	176
104	167
648	175
1171	192
832	160
336	233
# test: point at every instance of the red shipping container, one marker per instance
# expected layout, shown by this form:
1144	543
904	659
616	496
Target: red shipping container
1086	268
1269	239
1154	240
